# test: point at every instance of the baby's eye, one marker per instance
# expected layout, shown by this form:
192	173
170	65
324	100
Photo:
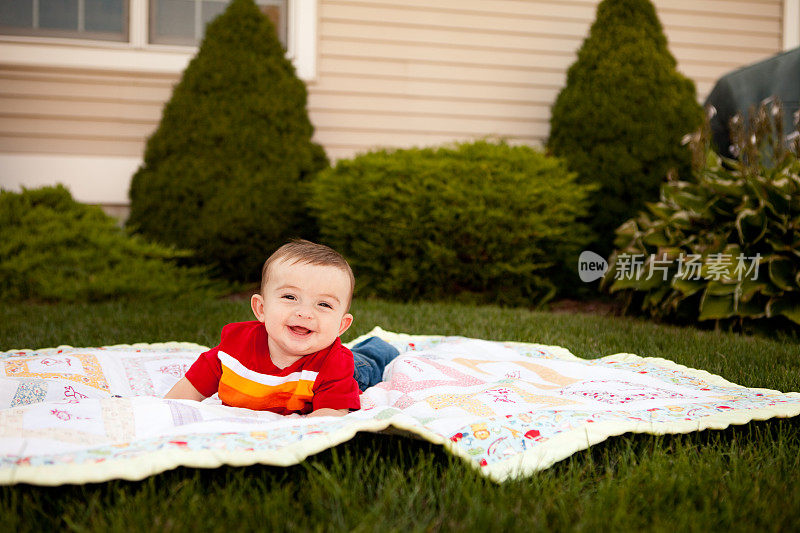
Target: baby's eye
326	304
289	297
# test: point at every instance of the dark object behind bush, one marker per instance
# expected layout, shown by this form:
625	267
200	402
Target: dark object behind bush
621	116
739	91
53	248
482	221
748	208
223	172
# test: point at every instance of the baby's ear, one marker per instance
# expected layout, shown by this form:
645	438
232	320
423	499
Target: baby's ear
347	321
257	305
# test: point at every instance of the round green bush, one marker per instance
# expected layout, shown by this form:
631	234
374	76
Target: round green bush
53	248
482	221
223	173
620	118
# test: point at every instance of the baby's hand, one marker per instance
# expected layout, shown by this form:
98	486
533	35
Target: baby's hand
184	390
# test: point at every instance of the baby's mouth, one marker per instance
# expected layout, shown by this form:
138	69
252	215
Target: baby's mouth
299	330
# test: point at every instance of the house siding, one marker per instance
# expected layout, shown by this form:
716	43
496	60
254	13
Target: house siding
420	72
79	111
389	74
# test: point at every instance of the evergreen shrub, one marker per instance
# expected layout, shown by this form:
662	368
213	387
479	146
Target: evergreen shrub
729	240
53	248
480	221
621	116
224	172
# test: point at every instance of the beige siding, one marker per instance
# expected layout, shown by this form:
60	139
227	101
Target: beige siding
395	74
420	72
712	37
79	112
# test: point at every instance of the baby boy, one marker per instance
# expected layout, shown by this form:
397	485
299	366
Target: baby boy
290	359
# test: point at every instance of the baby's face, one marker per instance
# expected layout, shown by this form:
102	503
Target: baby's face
304	307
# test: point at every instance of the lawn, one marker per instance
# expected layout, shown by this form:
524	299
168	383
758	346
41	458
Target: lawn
740	479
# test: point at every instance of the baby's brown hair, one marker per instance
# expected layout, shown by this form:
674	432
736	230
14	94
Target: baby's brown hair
303	251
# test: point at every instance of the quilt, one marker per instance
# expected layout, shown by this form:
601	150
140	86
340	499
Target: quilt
80	415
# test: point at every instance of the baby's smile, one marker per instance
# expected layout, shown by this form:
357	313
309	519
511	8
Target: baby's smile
300	330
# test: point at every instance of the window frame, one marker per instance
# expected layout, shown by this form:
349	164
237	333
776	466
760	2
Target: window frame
139	55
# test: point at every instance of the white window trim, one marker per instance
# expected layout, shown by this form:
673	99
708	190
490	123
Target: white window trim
140	56
79	173
791	24
302	37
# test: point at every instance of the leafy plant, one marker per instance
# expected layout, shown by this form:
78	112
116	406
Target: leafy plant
479	221
223	174
726	246
53	248
619	119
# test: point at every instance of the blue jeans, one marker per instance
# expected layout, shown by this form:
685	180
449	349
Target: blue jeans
371	357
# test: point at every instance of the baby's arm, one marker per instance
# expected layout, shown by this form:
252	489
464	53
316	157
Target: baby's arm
327	411
184	390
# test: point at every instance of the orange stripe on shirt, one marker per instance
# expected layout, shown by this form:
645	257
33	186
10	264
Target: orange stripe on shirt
291	402
239	391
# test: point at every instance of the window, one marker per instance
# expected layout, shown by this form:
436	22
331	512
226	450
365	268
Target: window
172	22
137	35
104	20
183	22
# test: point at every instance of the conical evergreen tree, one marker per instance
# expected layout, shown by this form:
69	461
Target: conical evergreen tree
224	172
621	116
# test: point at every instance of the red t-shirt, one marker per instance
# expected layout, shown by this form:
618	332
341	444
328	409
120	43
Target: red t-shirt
241	370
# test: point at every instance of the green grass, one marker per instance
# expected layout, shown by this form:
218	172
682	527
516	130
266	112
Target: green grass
740	479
